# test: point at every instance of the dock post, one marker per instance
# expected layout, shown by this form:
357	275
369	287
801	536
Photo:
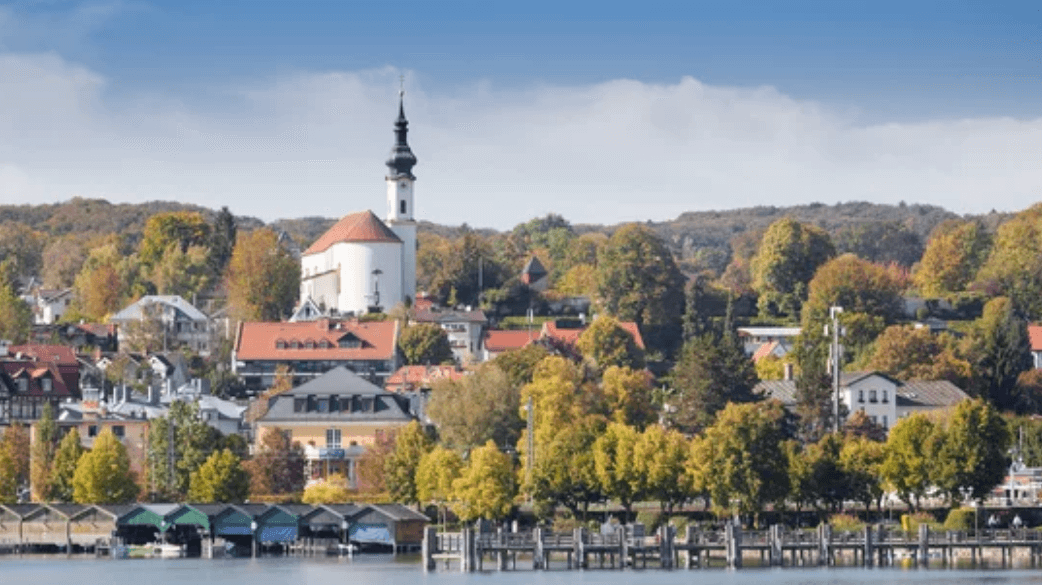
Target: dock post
923	556
689	538
624	548
666	534
868	556
537	550
580	547
733	541
430	545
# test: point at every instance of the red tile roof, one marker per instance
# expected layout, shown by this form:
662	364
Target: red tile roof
357	227
1035	337
497	341
261	341
411	377
57	354
571	336
764	350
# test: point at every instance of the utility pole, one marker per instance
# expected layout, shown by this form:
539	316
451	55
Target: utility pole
531	446
170	453
836	361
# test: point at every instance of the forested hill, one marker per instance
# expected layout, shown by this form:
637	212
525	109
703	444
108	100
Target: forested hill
704	239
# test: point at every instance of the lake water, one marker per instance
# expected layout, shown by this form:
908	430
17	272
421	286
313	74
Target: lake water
384	570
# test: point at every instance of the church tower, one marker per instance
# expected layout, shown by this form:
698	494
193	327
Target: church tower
400	181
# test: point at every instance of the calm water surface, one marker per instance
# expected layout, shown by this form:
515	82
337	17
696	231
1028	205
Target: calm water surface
381	570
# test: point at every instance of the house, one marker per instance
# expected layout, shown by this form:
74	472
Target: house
49	305
91	416
1035	340
168	321
567	332
883	399
414	378
498	341
362	264
780	339
311	348
334	417
464	328
34	375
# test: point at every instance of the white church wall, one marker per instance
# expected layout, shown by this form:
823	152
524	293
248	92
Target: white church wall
358	260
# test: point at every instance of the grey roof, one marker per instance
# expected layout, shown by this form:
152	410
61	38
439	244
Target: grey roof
399	512
534	268
931	394
783	391
225	408
387	406
21	510
133	312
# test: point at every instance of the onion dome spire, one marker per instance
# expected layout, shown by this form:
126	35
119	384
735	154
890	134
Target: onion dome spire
402	159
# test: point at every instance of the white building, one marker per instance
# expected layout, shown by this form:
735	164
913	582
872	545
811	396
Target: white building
363	264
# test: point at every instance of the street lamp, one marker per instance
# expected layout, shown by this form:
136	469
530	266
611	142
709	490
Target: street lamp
967	493
836	359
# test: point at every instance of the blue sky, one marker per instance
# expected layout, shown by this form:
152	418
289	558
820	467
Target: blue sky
647	109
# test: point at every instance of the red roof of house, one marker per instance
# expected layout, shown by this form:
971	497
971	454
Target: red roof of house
59	355
410	377
764	350
1035	337
275	341
497	341
357	227
570	336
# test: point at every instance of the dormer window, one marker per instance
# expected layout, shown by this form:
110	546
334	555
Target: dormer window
294	344
23	384
349	341
309	344
47	384
280	344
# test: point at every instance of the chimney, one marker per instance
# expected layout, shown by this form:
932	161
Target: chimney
787	375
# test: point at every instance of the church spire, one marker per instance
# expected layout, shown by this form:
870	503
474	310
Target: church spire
402	159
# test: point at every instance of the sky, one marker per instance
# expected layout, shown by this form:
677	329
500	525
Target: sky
602	112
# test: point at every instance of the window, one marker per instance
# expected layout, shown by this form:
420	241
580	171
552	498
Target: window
885	422
323	405
119	431
23	384
334	404
92	431
309	344
333	438
280	344
300	404
402	207
860	395
886	397
47	384
872	396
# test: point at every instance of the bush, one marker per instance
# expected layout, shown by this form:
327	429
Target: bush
681	523
650	519
846	523
961	519
911	522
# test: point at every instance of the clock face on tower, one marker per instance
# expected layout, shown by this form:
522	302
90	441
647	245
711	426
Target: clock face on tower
403	185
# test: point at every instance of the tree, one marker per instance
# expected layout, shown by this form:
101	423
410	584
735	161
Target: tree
814	407
1014	266
331	490
637	280
222	240
278	465
67	457
787	258
953	256
185	273
15	315
911	451
628	395
21	248
180	229
479	407
62	260
221	478
103	474
45	444
14	461
883	242
371	465
486	487
999	352
102	284
194	442
859	425
861	460
263	277
739	460
854	284
618	471
607	344
425	344
438	469
520	364
826	480
661	457
564	471
712	371
972	452
908	353
411	443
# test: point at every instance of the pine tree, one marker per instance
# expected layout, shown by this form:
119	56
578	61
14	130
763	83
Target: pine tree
60	488
45	443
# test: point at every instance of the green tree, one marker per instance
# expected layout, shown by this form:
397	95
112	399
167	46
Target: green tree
739	460
999	352
629	395
103	474
63	258
564	471
278	465
972	452
911	451
1014	266
607	344
712	371
479	407
194	442
862	460
883	242
661	457
425	344
331	490
185	273
787	258
619	473
411	443
21	249
486	488
909	353
222	240
221	478
952	258
520	364
263	278
637	280
181	229
827	479
814	406
66	459
15	315
854	284
45	444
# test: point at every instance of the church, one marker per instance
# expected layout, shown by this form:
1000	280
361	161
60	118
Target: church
363	264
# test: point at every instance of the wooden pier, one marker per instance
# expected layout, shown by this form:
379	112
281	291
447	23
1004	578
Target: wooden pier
731	547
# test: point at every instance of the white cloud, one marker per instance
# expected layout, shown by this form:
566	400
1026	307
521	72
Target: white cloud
314	143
